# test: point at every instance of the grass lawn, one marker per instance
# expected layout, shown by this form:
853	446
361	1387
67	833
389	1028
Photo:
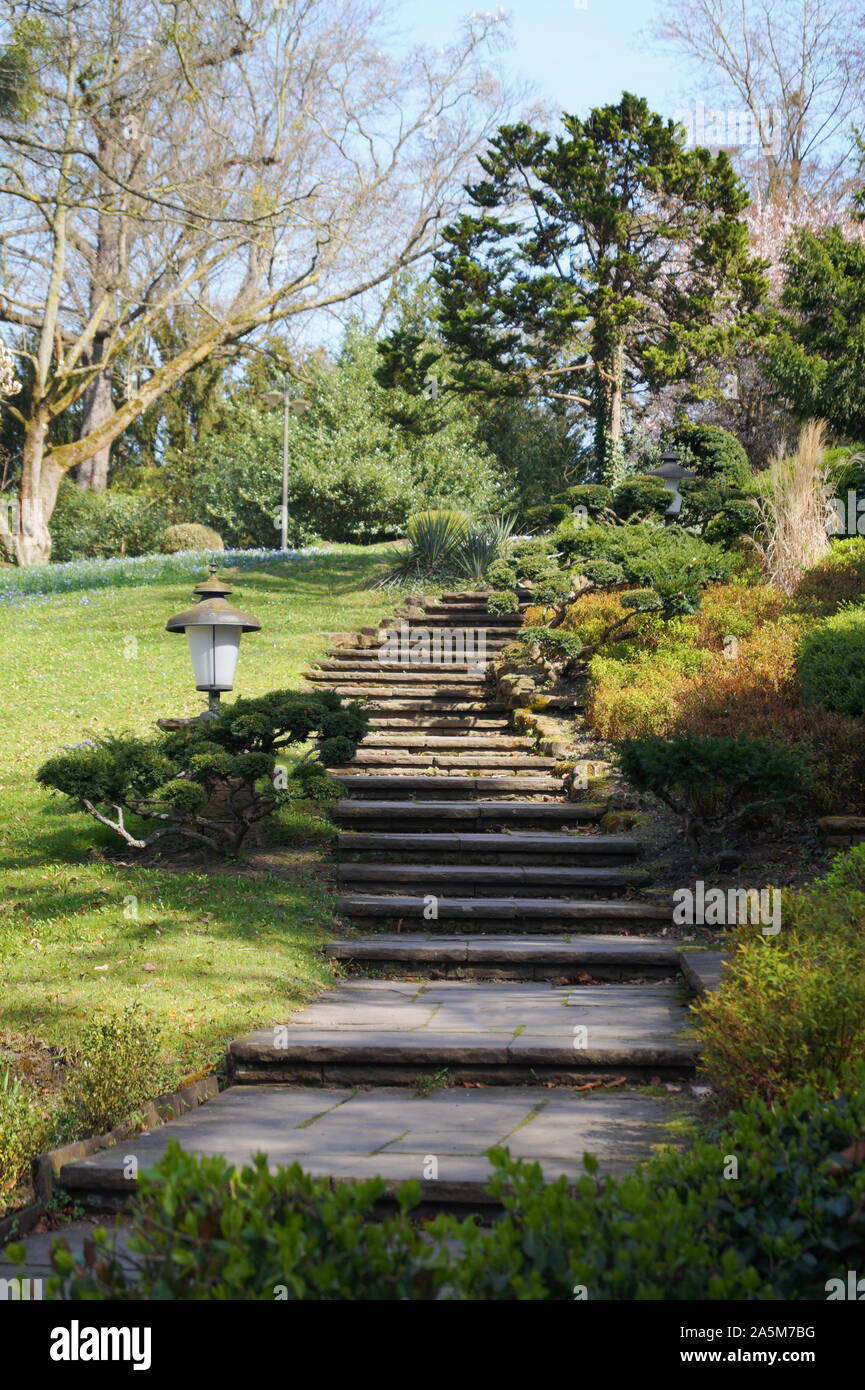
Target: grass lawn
207	955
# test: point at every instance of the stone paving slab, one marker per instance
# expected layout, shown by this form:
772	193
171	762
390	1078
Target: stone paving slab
491	1023
392	1133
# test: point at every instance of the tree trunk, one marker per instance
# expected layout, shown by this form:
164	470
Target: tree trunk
24	535
98	408
609	395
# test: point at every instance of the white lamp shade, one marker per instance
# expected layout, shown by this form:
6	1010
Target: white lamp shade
214	655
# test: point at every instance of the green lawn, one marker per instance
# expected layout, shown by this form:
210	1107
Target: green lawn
208	955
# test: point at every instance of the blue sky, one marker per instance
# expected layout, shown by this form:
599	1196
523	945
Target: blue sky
575	57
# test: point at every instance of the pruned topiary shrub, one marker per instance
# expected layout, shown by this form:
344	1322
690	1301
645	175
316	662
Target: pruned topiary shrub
502	601
188	535
641	495
209	782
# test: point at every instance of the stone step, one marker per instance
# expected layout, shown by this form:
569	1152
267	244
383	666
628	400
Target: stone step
447	669
508	759
484	880
474	723
342	1133
421	697
492	742
370	655
485	914
489	813
380	1032
400	676
446	784
494	622
512	957
511	848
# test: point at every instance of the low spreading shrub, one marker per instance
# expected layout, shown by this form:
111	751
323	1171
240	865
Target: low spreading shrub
674	1230
832	663
837	579
712	784
790	1012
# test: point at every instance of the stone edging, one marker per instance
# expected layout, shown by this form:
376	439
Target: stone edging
47	1166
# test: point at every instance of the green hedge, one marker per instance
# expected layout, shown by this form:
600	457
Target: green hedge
832	663
100	525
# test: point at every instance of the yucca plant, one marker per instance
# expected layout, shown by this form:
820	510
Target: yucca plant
482	545
435	537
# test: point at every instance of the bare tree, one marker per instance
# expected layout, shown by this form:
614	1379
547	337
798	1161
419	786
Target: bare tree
233	163
797	68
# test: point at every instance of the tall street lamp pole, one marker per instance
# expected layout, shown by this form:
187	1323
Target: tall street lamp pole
283	398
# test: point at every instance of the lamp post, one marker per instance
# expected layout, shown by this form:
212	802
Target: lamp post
213	629
671	474
283	398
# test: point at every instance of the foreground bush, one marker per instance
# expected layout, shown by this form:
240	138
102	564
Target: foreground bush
790	1012
209	782
682	1228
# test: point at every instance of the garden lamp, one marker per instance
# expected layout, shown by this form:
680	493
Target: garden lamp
213	631
671	474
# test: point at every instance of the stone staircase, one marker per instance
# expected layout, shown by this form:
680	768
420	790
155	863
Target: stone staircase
493	968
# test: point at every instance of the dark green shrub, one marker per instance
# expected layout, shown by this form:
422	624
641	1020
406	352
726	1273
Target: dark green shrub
547	516
593	496
603	573
678	1229
501	574
502	602
641	600
641	495
712	783
94	525
712	452
831	663
554	647
212	780
735	518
